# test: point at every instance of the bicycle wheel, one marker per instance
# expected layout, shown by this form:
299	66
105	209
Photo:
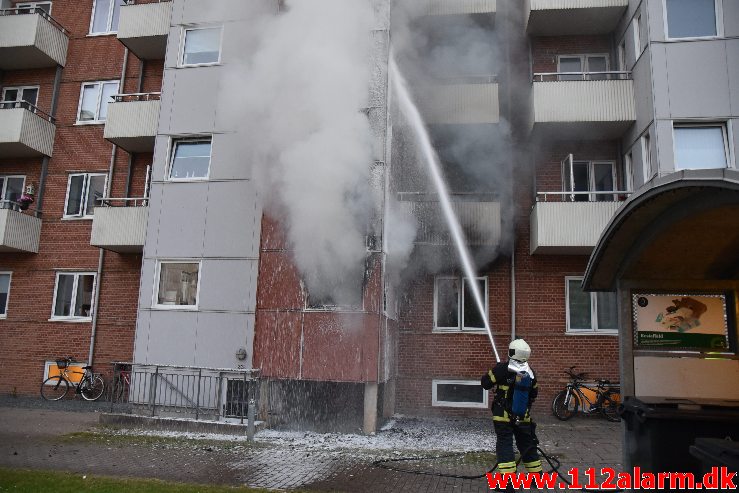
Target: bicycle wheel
54	388
565	405
91	389
609	409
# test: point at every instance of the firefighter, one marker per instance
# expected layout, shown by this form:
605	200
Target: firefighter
514	421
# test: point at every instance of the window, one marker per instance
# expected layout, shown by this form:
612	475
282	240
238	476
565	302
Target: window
590	312
637	36
201	46
628	172
73	295
4	293
582	63
11	188
459	393
691	18
178	284
12	96
622	56
700	146
646	149
589	176
455	308
85	191
94	99
105	14
190	159
27	7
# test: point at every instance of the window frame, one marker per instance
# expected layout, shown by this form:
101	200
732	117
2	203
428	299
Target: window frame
584	62
4	186
646	155
592	196
9	273
460	305
98	101
594	330
718	15
629	171
85	195
34	5
73	318
157	281
183	38
173	143
435	402
20	90
725	134
108	23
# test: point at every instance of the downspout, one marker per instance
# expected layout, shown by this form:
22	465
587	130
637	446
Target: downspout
101	255
45	161
513	289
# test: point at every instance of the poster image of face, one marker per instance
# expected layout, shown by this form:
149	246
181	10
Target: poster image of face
683	321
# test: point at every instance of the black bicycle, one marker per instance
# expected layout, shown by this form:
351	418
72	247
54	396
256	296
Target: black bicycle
90	386
605	399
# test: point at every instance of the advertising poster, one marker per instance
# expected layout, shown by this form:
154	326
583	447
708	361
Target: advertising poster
681	321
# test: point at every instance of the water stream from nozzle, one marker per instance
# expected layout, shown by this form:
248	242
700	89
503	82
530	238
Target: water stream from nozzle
409	109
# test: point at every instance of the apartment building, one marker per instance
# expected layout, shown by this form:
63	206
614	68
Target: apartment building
149	240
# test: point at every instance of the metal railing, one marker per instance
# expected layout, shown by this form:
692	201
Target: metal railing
9	105
137	96
465	79
200	393
563	196
35	10
17	206
139	2
123	202
568	76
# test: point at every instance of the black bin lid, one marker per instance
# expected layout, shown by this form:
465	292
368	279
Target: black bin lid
716	452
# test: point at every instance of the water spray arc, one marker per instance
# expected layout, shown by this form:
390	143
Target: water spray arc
409	109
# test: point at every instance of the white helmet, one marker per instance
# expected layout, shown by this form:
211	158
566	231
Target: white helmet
519	350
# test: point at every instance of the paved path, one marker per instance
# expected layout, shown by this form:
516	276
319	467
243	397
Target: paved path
71	440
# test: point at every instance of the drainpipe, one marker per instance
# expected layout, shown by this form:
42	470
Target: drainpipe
513	289
45	161
101	255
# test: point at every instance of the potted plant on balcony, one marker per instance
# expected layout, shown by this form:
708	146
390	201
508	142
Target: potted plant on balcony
26	198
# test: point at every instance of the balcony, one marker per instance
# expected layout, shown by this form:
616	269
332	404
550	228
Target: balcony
143	28
120	229
563	17
584	105
19	231
458	7
132	121
562	226
31	38
480	220
25	131
461	100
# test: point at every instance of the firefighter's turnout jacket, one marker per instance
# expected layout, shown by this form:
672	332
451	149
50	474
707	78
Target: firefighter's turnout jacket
504	380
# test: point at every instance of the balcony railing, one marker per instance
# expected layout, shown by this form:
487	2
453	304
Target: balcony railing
459	100
31	38
563	17
132	121
20	230
119	224
454	7
25	130
560	76
144	27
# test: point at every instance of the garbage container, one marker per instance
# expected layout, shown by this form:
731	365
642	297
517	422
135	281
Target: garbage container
716	452
660	431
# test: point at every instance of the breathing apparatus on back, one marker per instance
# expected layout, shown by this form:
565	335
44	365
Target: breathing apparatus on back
518	354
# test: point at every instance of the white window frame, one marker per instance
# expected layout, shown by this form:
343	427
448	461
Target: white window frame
33	5
621	53
85	193
719	15
157	281
109	22
20	90
173	142
584	61
594	330
435	402
725	132
72	318
636	32
647	158
592	197
98	102
183	37
460	305
629	171
4	187
7	298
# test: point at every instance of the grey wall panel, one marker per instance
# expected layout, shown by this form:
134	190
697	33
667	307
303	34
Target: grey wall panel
655	21
732	62
161	151
173	43
141	341
228	285
182	221
148	281
219	336
661	90
232	208
731	18
230	160
643	93
698	79
152	222
194	100
172	338
663	154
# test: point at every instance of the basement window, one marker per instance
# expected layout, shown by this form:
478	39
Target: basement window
73	296
454	305
178	285
459	393
593	313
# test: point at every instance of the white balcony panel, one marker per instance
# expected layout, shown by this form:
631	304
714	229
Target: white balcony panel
451	7
132	125
480	222
459	103
119	229
569	228
25	134
143	28
561	17
31	41
19	232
